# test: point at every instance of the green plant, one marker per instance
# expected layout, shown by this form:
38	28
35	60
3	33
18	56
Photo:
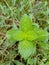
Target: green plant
30	37
10	48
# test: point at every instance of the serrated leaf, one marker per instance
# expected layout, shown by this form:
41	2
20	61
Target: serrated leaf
42	35
14	34
18	35
44	46
25	23
10	34
26	48
35	25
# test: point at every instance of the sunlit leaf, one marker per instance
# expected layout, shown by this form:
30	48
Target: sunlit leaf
25	23
42	35
14	34
44	46
26	48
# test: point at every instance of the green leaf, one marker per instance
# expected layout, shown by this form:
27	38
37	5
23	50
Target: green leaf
26	48
10	34
25	23
42	35
35	25
44	46
18	62
18	35
31	61
14	35
47	63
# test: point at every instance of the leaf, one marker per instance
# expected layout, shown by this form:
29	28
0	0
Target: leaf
18	36
25	23
44	46
18	62
42	35
26	48
47	63
35	25
10	34
14	35
31	61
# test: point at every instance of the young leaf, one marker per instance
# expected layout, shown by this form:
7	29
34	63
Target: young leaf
26	48
44	46
14	34
25	23
10	34
42	35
